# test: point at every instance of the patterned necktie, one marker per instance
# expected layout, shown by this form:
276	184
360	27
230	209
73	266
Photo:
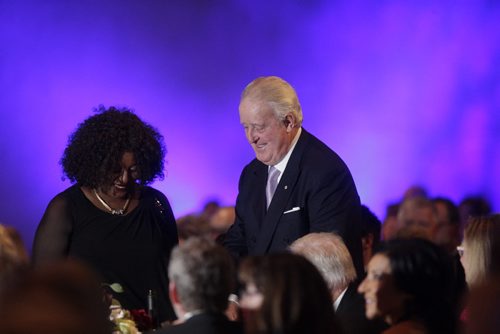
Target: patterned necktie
272	183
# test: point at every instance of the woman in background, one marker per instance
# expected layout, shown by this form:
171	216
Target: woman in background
480	254
407	285
284	293
480	251
110	219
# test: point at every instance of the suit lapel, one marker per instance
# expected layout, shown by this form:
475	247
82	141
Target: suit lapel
281	196
259	200
347	299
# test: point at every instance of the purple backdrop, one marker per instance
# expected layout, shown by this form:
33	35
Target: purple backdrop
405	93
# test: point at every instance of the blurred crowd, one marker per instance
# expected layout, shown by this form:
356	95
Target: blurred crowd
432	266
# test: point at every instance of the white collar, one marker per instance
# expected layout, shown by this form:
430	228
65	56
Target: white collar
339	299
282	164
191	314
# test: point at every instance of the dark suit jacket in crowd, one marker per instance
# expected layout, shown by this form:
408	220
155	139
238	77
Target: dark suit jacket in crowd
316	193
351	317
205	323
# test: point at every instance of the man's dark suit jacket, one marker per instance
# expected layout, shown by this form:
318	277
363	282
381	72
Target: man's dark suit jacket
316	193
205	323
351	317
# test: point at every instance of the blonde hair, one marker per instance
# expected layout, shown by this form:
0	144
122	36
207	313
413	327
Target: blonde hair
278	93
481	237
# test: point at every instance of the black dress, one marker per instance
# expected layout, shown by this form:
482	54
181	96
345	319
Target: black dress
132	250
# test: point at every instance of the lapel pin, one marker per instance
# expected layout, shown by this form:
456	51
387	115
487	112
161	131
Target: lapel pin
286	187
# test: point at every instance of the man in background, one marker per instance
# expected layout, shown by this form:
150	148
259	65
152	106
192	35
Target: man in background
201	277
330	256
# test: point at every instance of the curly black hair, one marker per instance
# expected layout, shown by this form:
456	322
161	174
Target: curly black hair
95	149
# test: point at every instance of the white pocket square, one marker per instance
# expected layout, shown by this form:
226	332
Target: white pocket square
292	210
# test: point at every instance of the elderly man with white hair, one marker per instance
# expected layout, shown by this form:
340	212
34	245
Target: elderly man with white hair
330	256
295	185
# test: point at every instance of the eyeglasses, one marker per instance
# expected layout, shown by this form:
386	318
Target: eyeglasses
460	250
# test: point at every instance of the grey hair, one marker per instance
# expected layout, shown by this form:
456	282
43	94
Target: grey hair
278	93
329	255
203	274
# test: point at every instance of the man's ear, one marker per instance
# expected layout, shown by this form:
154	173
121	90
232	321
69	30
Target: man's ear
175	300
172	292
290	122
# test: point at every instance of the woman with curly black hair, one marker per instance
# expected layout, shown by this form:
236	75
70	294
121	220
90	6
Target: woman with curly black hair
110	219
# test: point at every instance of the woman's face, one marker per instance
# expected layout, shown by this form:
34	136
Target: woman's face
251	297
124	179
382	298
